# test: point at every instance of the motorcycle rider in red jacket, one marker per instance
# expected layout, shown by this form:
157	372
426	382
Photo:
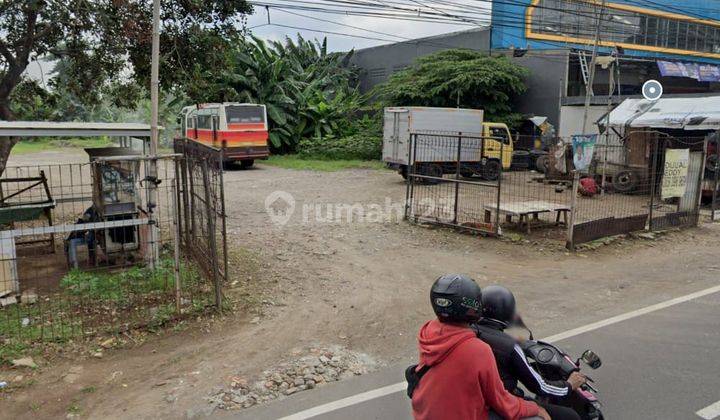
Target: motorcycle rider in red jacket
457	377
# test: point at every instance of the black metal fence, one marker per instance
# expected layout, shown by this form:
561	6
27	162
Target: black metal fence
711	183
474	182
646	181
453	180
84	251
201	199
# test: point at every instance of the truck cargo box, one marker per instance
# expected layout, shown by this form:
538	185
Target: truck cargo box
400	122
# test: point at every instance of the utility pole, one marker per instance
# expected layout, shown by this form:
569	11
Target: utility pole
611	91
593	65
152	171
588	97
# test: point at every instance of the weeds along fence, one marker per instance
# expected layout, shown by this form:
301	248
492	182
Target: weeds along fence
83	253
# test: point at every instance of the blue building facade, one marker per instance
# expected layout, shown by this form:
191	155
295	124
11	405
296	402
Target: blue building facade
674	42
687	30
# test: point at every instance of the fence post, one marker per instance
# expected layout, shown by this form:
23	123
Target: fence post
222	212
573	210
176	237
211	235
409	174
700	178
716	184
411	159
653	183
457	178
496	229
186	214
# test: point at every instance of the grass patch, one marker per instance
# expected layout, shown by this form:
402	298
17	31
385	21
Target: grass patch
102	302
323	165
42	144
12	349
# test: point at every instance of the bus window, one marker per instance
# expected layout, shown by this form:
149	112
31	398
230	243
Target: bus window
204	122
237	114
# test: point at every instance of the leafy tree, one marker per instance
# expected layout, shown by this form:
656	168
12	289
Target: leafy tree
308	92
459	78
107	44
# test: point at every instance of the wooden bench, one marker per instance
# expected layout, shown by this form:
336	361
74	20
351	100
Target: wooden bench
524	209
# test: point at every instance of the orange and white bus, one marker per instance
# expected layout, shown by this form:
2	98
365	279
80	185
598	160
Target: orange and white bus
241	128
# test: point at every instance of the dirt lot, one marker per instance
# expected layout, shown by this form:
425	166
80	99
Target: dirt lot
321	281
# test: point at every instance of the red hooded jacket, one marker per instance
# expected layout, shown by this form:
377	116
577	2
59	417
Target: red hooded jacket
463	382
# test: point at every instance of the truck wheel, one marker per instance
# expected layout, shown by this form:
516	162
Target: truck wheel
247	163
625	181
403	171
491	170
466	171
711	165
433	170
541	164
429	169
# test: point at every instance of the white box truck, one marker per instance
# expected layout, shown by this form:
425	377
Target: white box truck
436	152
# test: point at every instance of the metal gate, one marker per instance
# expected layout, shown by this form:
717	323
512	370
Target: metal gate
201	209
712	175
454	180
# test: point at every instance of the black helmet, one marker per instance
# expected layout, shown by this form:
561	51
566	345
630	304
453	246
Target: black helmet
456	298
498	304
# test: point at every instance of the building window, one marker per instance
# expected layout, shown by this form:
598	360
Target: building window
569	20
377	73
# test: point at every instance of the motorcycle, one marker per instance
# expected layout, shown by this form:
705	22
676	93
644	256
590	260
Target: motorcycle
554	364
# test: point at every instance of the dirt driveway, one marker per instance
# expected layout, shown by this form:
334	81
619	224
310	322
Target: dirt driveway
363	285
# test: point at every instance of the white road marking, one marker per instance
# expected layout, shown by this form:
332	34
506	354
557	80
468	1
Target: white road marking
632	314
346	402
711	412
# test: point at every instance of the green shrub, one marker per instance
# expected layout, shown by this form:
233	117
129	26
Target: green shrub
357	146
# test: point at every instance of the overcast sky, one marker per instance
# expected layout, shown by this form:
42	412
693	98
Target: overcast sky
407	29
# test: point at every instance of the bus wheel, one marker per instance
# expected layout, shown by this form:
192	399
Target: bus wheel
247	163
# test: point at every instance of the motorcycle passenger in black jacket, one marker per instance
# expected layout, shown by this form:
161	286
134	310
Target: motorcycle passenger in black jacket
513	365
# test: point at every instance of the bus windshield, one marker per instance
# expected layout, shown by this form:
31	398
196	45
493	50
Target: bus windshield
237	114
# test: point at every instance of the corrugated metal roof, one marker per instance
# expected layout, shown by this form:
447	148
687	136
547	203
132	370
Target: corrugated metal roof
679	113
72	129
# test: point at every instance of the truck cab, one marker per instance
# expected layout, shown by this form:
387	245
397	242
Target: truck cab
498	141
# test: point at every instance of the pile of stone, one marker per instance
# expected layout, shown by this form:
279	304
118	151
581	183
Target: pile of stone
316	368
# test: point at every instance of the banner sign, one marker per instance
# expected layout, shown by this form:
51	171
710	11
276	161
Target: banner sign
674	180
699	72
583	149
709	73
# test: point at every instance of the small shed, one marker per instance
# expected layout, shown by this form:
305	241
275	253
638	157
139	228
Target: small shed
133	139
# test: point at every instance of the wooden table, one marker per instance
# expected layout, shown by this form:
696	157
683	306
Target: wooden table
523	210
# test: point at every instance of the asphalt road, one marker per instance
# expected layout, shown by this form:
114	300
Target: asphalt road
658	365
